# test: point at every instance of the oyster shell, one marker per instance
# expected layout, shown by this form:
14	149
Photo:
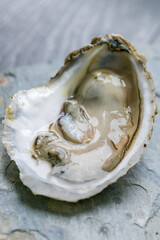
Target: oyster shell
87	126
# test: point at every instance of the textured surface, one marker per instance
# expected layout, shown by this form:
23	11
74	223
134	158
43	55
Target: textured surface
46	30
128	209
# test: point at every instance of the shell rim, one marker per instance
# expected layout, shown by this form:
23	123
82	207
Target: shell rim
123	45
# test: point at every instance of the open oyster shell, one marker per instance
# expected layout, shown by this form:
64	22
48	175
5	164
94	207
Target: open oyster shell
87	126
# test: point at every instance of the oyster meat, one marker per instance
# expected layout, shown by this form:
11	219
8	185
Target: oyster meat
87	126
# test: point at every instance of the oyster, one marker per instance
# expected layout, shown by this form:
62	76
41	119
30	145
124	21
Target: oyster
87	126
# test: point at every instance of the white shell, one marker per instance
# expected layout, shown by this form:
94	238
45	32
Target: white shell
32	110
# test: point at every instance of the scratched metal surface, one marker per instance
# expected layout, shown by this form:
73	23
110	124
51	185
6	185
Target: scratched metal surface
128	209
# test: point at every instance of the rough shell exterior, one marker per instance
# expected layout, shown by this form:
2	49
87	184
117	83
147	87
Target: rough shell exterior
115	43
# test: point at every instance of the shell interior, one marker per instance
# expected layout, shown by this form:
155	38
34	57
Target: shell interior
87	126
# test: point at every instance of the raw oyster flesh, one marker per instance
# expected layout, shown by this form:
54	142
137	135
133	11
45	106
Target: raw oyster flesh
87	126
